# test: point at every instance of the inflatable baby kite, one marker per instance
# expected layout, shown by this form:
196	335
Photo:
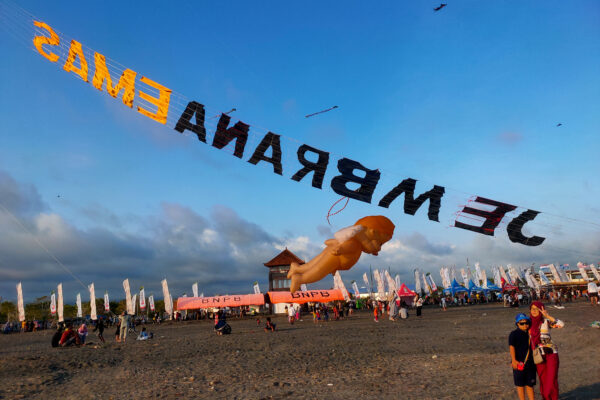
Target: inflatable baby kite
368	234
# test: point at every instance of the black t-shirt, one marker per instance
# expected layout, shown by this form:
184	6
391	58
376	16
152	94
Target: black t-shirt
520	341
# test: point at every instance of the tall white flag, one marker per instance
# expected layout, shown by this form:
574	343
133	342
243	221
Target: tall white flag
79	311
195	289
366	279
61	317
20	304
465	277
426	286
355	288
417	282
256	288
339	284
128	304
497	277
431	282
133	304
151	302
443	276
391	283
595	272
106	302
447	274
582	271
303	287
398	283
53	303
478	274
555	273
142	299
504	275
167	297
93	314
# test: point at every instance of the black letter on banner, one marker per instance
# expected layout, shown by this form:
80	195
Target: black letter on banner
237	298
325	294
319	167
515	228
295	295
411	205
492	218
271	139
224	135
367	184
184	121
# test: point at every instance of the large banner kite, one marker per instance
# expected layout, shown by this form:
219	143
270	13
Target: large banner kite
310	296
194	303
156	101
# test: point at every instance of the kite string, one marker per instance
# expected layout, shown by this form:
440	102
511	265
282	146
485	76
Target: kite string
329	214
41	245
180	100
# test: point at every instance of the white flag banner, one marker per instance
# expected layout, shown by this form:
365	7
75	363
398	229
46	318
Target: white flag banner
340	285
60	310
128	304
151	302
20	304
167	297
426	286
504	275
106	302
562	270
582	271
452	275
469	274
514	274
431	282
443	276
484	278
380	287
383	280
355	288
202	294
448	280
53	303
595	272
478	274
142	299
557	278
398	283
256	288
497	277
195	289
417	282
93	313
79	311
366	280
543	278
303	287
133	304
465	277
390	282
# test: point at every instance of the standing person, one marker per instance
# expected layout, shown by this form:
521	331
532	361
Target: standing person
124	325
117	331
376	312
541	322
593	293
82	332
443	303
291	314
100	328
419	305
521	358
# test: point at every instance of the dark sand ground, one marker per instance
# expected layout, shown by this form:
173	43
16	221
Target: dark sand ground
458	354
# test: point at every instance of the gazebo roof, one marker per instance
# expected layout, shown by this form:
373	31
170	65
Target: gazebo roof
286	257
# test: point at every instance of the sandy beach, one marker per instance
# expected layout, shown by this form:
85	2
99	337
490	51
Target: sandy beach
458	354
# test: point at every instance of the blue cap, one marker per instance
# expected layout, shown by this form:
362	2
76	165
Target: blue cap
520	317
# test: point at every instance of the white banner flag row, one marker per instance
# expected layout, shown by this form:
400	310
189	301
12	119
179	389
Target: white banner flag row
151	302
256	288
127	290
142	299
106	302
167	297
195	289
418	288
79	310
53	303
303	287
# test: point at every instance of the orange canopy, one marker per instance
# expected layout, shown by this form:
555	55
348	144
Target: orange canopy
235	300
310	296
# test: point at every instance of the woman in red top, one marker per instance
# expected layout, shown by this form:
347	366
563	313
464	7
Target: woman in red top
540	337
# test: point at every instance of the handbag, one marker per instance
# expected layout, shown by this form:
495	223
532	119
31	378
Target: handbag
538	356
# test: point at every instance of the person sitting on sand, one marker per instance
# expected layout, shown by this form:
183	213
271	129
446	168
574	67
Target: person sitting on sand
69	337
367	235
269	326
82	332
57	335
144	335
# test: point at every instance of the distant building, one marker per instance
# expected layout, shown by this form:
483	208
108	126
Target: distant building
278	270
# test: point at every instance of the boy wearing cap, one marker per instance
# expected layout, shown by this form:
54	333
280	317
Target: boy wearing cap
524	370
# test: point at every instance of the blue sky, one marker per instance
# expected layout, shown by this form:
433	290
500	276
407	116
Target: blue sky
467	98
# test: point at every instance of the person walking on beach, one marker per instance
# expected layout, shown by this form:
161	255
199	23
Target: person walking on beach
376	312
100	328
541	322
593	293
521	358
124	325
419	305
443	303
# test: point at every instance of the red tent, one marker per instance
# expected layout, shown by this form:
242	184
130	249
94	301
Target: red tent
404	291
507	287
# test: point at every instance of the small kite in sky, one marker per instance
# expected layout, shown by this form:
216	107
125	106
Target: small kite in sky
440	7
320	112
559	124
226	113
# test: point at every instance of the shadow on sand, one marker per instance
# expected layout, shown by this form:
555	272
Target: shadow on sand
583	393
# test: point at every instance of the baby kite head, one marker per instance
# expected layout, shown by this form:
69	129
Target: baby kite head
378	223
